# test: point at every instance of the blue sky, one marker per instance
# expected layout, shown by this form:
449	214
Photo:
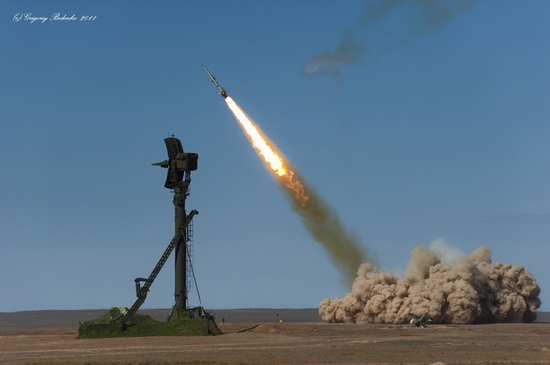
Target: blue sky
428	132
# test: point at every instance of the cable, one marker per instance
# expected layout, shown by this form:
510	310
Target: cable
193	272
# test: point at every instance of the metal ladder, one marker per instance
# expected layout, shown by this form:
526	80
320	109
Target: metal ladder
141	291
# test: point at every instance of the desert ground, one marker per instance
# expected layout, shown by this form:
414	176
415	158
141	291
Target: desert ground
273	336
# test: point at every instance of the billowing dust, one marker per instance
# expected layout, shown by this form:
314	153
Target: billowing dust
463	290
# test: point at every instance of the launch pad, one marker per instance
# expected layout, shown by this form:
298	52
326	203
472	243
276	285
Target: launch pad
182	321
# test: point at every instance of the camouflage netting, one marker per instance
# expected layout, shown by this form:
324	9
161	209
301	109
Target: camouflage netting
196	322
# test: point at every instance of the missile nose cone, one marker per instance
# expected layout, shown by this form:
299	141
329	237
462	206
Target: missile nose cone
208	73
213	79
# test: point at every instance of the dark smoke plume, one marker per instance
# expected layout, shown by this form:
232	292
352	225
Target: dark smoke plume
344	248
348	52
464	291
386	22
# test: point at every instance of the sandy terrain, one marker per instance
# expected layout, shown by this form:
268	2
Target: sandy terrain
272	342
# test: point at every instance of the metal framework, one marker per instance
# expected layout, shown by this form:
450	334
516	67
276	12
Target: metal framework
180	165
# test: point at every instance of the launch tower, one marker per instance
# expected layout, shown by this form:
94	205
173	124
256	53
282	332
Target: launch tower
124	322
180	165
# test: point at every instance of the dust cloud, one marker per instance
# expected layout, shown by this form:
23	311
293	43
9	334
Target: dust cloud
442	285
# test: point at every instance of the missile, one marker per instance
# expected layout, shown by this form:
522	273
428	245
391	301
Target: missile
213	79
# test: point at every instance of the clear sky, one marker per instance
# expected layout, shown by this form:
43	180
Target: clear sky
413	123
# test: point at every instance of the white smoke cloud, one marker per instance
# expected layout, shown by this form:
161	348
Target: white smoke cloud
447	254
463	291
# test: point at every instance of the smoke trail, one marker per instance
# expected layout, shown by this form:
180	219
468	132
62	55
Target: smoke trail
323	224
348	52
466	290
321	221
388	23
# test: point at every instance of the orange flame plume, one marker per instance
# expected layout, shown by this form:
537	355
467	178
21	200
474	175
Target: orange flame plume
265	148
345	250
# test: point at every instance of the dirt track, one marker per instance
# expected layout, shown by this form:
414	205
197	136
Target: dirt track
290	343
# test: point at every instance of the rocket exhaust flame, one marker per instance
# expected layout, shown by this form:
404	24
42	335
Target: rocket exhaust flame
323	224
266	149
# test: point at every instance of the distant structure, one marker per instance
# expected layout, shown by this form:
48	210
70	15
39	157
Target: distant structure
124	322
